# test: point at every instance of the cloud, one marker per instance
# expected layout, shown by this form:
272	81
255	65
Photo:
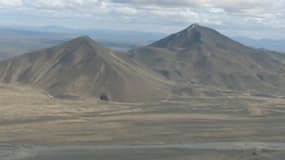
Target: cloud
223	4
10	3
59	5
252	17
160	3
84	7
253	8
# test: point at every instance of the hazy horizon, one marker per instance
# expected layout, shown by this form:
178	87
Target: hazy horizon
252	19
109	37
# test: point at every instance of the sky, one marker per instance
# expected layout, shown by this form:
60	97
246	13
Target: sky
260	19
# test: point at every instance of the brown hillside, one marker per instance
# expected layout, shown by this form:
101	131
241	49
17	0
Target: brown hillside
83	68
202	56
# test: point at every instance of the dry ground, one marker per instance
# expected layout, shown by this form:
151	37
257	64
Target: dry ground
29	116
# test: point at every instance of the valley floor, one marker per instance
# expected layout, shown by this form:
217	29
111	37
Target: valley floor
210	151
29	116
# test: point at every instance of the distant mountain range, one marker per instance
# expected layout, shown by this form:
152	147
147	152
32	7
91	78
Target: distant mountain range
197	61
267	44
19	40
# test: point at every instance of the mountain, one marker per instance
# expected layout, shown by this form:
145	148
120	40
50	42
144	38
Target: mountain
200	57
82	68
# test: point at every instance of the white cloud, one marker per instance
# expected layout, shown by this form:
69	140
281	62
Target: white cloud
84	7
10	3
253	8
67	4
253	17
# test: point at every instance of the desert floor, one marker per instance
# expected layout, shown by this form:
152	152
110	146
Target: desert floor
30	117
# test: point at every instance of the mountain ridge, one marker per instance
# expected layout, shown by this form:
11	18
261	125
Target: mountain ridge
195	33
203	56
83	68
195	61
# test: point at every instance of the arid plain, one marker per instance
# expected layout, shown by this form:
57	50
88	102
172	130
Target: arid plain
29	116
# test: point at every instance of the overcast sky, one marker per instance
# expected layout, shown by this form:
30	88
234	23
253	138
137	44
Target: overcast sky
251	18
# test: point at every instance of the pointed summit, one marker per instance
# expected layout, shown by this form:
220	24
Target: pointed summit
83	39
193	26
202	56
82	68
194	36
189	37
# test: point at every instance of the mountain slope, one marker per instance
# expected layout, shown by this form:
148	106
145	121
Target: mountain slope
200	56
83	68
